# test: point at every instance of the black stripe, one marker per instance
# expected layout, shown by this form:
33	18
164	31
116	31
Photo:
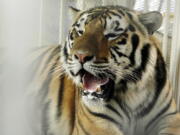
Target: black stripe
124	107
77	25
71	35
113	56
121	12
144	57
113	35
173	113
60	97
105	23
80	32
129	15
114	110
134	42
65	53
124	34
137	72
108	15
122	86
160	75
111	74
115	14
73	74
160	80
82	19
110	35
115	47
119	53
106	117
144	60
99	66
132	28
117	29
162	111
82	127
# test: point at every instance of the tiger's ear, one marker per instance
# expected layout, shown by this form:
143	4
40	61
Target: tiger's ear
74	12
151	20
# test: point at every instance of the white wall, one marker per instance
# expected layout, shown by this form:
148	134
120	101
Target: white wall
19	30
50	12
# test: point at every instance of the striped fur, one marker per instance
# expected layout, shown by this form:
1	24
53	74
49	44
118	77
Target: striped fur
137	100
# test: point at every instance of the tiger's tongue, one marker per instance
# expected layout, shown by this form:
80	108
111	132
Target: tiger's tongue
91	83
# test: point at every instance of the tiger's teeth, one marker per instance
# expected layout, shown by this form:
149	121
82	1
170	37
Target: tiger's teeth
98	89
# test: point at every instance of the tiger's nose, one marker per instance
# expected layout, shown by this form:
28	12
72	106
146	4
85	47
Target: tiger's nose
83	57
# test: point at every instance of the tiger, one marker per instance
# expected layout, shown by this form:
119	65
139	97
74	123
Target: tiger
109	77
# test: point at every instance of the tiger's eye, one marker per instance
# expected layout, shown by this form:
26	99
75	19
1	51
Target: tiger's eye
80	32
122	42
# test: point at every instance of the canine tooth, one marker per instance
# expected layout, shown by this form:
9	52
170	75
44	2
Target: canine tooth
98	89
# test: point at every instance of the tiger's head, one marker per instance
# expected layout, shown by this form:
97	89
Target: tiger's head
105	47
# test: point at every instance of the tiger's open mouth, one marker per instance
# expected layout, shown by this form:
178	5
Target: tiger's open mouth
92	83
95	87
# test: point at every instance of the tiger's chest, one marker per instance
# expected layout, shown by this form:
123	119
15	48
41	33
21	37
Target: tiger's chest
107	128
